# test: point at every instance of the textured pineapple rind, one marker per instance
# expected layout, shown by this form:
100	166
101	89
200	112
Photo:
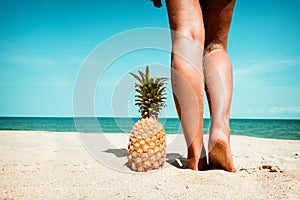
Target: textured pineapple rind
147	144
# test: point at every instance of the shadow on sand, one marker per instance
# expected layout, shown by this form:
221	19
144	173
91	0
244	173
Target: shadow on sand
174	159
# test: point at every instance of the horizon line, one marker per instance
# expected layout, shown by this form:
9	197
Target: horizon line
168	117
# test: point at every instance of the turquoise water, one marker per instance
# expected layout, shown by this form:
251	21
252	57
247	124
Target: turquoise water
264	128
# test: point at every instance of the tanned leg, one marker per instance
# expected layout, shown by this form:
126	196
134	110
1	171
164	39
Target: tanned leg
218	80
185	17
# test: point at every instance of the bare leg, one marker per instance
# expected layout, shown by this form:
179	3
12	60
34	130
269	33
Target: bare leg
218	80
219	90
185	19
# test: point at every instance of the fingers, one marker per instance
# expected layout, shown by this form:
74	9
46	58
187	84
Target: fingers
157	3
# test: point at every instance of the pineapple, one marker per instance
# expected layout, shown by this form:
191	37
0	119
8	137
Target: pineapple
147	142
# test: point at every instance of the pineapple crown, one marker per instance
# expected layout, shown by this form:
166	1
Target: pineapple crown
151	93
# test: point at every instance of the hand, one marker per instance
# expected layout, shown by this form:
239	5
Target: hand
157	3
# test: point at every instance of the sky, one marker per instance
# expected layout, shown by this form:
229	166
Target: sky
44	45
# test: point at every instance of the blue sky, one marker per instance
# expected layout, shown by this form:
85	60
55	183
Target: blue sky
44	43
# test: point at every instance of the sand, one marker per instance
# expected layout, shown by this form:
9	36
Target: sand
50	165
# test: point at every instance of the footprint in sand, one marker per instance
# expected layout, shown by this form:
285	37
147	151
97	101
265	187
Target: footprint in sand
270	168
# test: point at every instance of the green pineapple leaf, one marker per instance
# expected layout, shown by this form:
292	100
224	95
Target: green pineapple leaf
143	76
147	74
137	78
151	93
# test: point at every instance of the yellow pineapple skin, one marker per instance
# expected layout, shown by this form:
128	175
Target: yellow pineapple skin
147	145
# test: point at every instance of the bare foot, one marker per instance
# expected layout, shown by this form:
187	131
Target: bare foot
220	155
192	163
202	165
198	163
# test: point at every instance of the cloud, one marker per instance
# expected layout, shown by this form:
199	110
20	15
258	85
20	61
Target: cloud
255	72
32	60
254	65
291	109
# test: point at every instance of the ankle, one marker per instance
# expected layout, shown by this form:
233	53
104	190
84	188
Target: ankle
192	163
221	132
216	135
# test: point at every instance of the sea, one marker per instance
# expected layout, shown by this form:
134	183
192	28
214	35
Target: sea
261	128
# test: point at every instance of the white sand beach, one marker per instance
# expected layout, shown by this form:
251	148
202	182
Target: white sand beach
51	165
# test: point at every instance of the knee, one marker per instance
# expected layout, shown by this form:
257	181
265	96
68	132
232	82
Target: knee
215	45
192	31
188	45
